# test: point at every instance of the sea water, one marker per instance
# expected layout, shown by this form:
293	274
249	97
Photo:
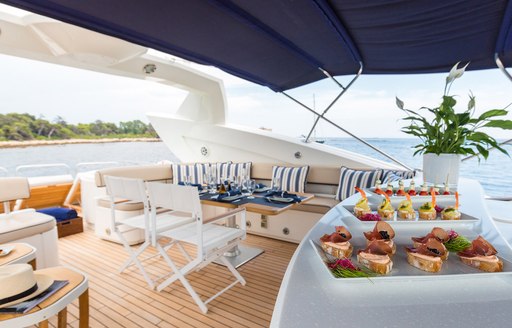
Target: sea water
495	174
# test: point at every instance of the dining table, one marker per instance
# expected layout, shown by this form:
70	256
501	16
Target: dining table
263	203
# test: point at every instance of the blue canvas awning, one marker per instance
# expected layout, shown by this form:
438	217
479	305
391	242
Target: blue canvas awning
284	44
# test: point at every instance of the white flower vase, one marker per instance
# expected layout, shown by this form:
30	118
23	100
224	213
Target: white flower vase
438	169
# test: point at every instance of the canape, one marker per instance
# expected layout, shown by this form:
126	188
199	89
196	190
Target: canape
437	233
361	208
412	189
401	189
452	212
481	255
405	209
382	231
376	257
427	211
337	243
385	209
427	256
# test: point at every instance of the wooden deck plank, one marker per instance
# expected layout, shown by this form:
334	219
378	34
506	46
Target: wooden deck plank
125	300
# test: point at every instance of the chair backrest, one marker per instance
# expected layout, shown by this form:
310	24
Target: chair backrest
175	197
130	189
13	188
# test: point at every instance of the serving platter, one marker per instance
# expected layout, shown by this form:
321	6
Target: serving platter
452	267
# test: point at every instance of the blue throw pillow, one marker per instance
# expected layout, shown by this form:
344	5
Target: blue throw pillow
293	179
395	175
349	179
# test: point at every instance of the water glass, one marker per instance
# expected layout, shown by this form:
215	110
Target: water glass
276	183
251	186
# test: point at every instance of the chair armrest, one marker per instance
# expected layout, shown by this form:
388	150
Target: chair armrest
223	215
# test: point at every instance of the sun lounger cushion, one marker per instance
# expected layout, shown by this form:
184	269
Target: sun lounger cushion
24	223
318	204
349	179
293	179
121	204
395	175
228	170
59	213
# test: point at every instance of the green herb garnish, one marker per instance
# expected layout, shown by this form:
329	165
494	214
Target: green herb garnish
344	268
457	244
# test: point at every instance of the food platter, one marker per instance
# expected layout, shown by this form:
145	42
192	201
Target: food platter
464	218
451	268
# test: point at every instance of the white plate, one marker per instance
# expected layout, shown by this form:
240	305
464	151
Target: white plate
5	250
262	189
232	198
280	199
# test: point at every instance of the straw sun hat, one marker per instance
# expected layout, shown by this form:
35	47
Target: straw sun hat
19	283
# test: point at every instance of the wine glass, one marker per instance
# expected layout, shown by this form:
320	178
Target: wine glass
251	185
276	183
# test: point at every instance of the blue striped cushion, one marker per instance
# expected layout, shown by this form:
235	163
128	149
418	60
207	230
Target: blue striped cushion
228	170
293	179
196	171
395	175
349	179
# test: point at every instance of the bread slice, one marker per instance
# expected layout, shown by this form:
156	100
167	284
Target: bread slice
424	262
359	211
485	263
406	215
427	215
381	264
386	214
338	250
444	257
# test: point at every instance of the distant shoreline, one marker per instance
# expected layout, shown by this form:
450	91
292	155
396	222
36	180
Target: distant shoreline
38	143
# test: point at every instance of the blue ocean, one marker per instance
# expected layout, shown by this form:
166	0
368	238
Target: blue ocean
495	174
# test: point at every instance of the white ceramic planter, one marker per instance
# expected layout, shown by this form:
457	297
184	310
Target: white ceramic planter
438	169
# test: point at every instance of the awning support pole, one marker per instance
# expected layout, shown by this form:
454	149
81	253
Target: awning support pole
502	67
349	133
509	141
343	90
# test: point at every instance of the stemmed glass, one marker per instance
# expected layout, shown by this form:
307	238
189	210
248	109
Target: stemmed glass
251	185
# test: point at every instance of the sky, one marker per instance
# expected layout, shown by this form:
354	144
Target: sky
367	109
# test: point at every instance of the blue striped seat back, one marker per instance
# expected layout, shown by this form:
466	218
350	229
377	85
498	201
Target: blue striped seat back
293	179
195	171
228	170
395	175
349	179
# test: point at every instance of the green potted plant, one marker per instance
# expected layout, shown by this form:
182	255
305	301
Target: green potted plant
446	134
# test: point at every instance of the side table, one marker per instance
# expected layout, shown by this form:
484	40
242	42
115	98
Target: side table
22	253
78	287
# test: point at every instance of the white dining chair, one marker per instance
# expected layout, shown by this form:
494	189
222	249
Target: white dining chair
134	190
210	239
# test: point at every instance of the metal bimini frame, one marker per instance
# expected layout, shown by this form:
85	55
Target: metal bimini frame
502	67
322	116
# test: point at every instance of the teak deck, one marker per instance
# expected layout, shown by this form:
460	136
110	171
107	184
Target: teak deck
125	300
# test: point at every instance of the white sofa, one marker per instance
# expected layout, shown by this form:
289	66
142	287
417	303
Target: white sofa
28	226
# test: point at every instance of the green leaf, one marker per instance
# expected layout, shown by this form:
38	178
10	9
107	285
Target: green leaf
492	113
399	103
471	103
503	124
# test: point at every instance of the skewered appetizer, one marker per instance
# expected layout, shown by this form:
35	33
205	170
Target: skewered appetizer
424	190
405	209
481	255
378	186
412	189
446	189
376	257
436	190
362	206
452	212
437	233
382	231
401	189
385	209
427	211
427	256
389	189
337	243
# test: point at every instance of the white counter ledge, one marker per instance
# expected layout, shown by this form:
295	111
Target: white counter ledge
311	297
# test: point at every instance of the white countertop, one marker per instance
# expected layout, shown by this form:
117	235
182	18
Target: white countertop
311	297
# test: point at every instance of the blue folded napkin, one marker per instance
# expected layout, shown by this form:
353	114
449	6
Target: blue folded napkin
229	194
197	185
283	194
59	213
260	186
